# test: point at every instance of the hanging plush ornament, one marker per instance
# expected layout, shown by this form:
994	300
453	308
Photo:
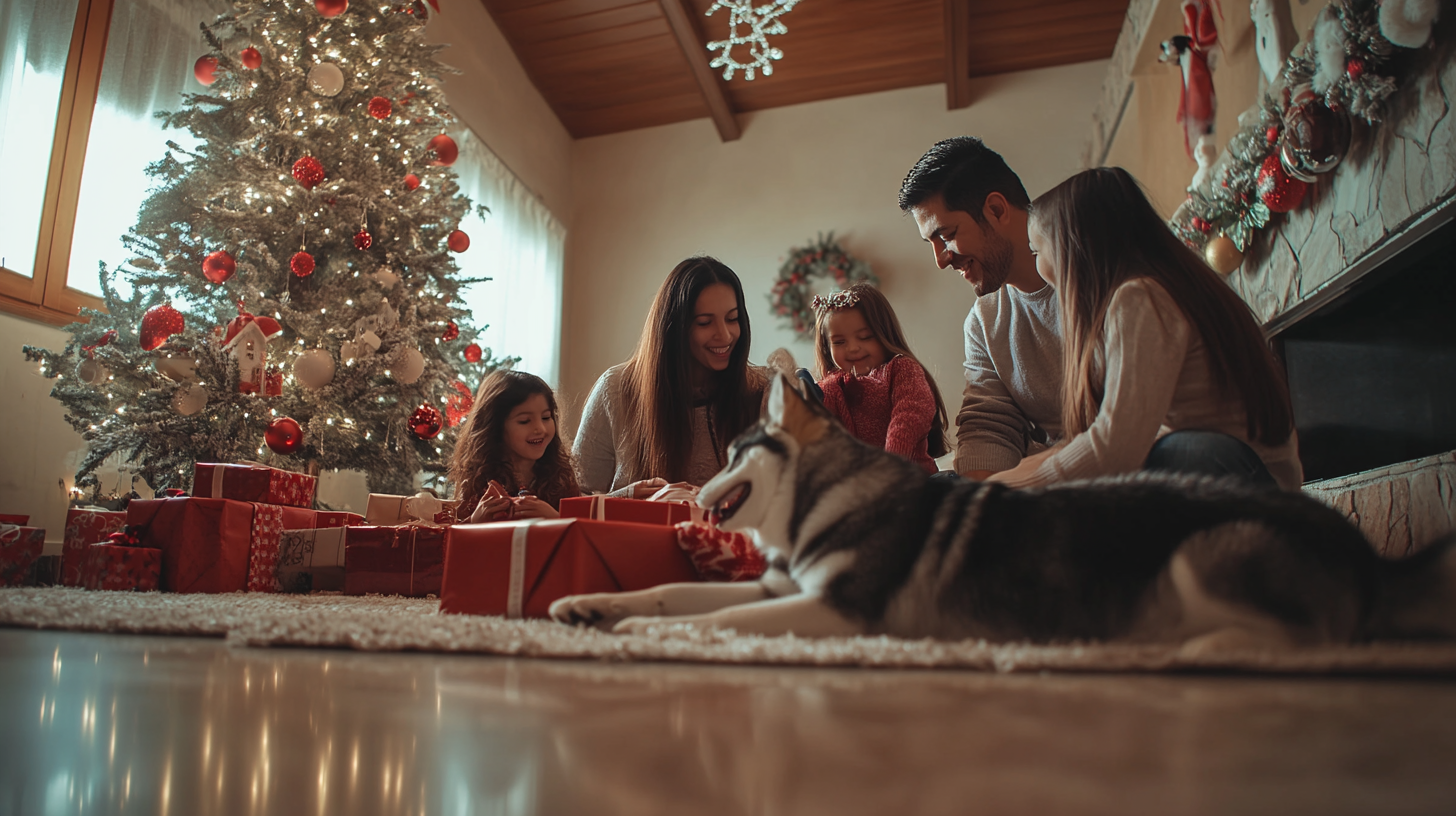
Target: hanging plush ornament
301	263
92	372
458	406
205	70
472	353
308	171
314	369
218	266
425	422
1315	137
446	152
408	364
1222	254
246	339
159	323
458	241
1277	190
325	79
379	108
411	181
331	8
189	398
363	240
250	58
452	331
1190	51
284	435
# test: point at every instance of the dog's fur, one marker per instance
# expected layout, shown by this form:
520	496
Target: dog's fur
863	542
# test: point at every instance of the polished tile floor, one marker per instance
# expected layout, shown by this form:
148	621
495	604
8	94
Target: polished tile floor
127	724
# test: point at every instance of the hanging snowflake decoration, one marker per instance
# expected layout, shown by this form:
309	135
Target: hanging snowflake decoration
760	22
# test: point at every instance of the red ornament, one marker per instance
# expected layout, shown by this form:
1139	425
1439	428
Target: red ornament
218	266
308	171
425	422
457	407
379	108
159	323
331	8
1279	192
458	241
445	149
452	331
284	435
1354	68
302	264
472	353
205	70
1271	135
411	181
251	58
363	240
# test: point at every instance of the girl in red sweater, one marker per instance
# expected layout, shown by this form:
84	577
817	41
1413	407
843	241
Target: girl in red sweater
872	382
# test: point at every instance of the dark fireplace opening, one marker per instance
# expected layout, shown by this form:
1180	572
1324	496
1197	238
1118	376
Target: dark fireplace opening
1372	373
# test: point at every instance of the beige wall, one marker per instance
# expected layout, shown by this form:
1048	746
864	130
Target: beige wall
644	200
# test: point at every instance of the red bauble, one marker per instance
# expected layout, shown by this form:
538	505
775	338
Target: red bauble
302	264
159	323
331	8
379	108
472	353
284	435
445	150
411	181
1355	67
425	422
308	171
205	69
363	240
458	241
1277	190
1271	134
452	331
251	58
457	406
218	266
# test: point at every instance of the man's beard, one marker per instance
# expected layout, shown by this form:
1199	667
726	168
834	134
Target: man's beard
995	261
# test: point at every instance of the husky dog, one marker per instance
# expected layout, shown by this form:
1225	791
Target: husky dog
863	542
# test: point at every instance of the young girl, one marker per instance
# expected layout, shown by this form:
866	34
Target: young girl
1164	366
509	462
872	383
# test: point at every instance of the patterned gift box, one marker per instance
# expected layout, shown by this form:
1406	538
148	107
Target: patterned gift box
401	560
19	548
310	560
336	518
386	510
719	555
85	526
132	569
253	483
518	568
637	511
215	545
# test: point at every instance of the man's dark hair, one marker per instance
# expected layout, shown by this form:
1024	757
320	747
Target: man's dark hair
963	171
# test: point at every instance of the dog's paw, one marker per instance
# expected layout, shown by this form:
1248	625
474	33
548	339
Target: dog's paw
602	610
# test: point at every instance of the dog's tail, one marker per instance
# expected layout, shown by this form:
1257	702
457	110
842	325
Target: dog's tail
1415	597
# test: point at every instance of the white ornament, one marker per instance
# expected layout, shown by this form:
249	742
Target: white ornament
408	364
177	367
1274	35
760	22
92	372
348	352
314	368
1205	153
189	398
1407	23
326	79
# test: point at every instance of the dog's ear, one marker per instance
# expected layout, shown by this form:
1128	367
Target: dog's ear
790	411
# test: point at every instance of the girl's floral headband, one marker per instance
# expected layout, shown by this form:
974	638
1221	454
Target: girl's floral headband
834	302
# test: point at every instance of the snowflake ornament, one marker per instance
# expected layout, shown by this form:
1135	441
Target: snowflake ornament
760	22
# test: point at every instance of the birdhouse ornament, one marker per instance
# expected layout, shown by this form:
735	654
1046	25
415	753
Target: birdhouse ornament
246	339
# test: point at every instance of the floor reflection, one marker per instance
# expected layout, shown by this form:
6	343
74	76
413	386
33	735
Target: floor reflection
95	723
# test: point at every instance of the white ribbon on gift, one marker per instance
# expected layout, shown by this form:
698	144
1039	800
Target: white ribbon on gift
516	589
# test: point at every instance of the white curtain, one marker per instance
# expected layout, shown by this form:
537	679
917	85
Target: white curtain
521	246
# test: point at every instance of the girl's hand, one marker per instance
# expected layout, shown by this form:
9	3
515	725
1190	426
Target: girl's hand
645	488
677	491
532	507
491	508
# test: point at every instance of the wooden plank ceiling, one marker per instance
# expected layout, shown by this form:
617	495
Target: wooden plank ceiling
607	66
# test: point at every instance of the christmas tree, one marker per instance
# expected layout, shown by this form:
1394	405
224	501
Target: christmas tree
293	298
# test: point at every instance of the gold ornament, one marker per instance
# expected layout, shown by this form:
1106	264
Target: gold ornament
1222	254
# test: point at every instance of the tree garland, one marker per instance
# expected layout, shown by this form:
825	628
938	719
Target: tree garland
791	297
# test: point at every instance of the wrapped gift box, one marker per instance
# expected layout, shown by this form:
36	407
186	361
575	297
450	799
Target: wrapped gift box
517	568
215	545
85	526
14	519
386	510
132	569
311	560
334	518
19	548
253	483
719	555
637	511
401	560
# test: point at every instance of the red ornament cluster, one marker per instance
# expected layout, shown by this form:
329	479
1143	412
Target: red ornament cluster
363	240
458	241
425	422
308	171
452	331
218	266
380	108
302	264
284	435
458	405
159	323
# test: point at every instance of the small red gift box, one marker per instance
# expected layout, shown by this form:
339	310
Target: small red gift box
215	545
19	548
253	483
637	511
311	560
518	568
335	518
85	526
136	569
403	560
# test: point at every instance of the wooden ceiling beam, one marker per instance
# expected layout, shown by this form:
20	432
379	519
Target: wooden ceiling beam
957	54
679	20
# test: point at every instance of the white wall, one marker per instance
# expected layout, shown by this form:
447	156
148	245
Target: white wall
644	200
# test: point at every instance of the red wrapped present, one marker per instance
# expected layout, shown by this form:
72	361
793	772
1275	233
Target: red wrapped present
253	483
134	569
637	511
333	518
215	545
19	548
403	560
517	568
85	526
719	555
12	518
311	560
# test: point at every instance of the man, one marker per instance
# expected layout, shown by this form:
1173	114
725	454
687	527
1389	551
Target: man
972	209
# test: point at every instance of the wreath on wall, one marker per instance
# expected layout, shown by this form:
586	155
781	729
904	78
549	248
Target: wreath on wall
792	295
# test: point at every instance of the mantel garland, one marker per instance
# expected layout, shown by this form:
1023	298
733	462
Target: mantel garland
791	297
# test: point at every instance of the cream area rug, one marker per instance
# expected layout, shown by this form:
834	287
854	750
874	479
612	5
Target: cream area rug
377	623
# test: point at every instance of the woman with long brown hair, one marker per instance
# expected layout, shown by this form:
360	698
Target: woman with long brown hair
1160	356
669	412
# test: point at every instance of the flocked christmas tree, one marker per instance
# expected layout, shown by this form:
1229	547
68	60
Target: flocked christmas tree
293	296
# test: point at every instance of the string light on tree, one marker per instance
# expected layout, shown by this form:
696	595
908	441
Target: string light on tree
750	27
